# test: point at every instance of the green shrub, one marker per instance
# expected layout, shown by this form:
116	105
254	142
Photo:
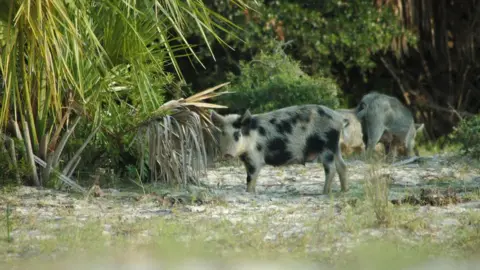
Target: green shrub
467	135
273	81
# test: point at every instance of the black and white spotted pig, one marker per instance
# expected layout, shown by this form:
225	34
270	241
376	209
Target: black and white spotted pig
291	135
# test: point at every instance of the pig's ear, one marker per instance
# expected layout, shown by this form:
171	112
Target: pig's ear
217	119
245	119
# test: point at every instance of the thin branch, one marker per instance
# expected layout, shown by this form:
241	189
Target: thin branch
16	128
80	150
63	142
441	109
455	111
13	156
43	146
30	155
62	177
395	76
462	88
69	175
428	73
53	158
56	135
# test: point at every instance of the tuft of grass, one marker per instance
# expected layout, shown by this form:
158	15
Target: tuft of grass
376	193
467	235
8	222
440	146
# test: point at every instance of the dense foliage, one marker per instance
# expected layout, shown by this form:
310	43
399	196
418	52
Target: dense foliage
77	72
422	52
467	135
438	78
327	37
273	81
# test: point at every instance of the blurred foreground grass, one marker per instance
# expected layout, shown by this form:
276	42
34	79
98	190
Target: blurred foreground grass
361	229
190	240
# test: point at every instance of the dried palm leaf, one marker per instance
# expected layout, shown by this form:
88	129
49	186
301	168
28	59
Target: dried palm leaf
178	136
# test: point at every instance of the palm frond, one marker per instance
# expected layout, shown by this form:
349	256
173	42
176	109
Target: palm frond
100	60
178	138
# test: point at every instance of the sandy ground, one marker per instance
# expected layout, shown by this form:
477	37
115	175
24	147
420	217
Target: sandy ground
289	196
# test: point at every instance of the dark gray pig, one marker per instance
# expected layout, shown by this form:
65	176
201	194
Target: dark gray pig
394	146
385	119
